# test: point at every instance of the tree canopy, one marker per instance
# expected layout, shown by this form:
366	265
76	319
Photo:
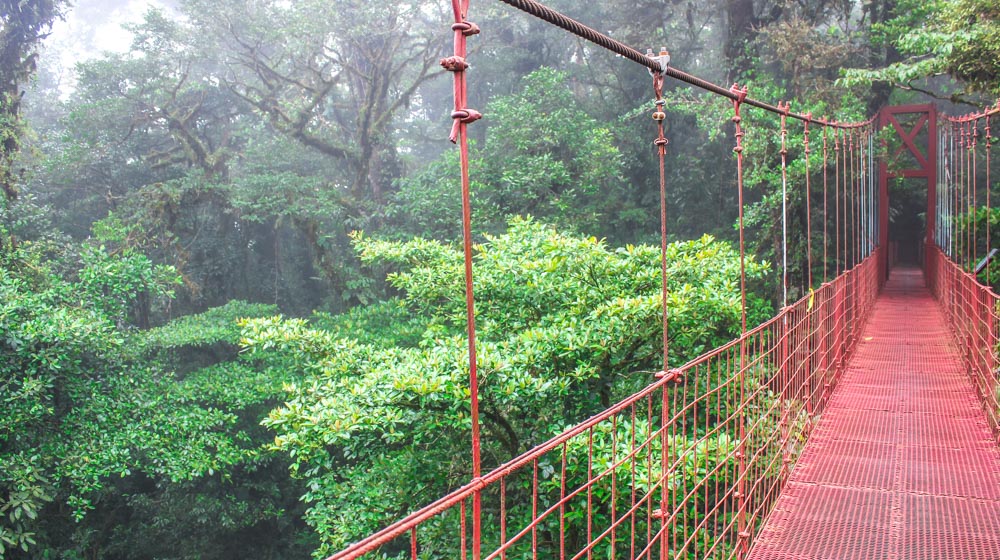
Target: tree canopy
232	309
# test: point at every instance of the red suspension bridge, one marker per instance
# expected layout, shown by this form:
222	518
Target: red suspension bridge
859	422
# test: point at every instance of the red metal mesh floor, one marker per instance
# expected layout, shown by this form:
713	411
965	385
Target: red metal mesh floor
902	464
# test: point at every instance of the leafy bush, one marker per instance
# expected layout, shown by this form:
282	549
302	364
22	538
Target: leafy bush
566	325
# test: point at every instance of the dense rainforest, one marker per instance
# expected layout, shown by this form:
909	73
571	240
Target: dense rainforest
231	298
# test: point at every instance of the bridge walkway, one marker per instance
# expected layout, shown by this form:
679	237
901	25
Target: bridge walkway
902	463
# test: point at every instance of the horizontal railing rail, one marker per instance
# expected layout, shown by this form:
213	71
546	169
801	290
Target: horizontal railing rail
971	310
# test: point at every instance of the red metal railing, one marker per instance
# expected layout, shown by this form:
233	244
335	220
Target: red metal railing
971	309
689	467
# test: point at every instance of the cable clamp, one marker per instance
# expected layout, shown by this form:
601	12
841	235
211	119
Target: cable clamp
740	93
672	374
454	64
663	58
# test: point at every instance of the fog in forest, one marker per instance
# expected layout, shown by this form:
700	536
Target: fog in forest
232	304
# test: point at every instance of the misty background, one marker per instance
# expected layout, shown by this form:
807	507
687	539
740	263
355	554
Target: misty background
231	306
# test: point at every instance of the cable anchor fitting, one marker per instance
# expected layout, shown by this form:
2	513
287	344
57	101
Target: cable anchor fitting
740	93
659	115
663	59
805	134
675	375
454	64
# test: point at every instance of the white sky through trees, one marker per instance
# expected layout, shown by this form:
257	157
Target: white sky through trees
88	28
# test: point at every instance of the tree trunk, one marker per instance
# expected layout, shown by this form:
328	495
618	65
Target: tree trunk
740	31
881	11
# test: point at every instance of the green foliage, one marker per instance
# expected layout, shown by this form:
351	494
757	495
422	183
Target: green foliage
386	323
957	37
763	182
241	143
58	357
565	324
971	227
24	25
543	156
216	327
703	467
87	414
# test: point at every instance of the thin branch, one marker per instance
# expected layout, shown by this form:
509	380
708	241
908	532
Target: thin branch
954	98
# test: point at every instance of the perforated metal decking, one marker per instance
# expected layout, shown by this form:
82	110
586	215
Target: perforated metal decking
902	463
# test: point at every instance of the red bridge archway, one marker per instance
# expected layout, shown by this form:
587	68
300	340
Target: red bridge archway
922	164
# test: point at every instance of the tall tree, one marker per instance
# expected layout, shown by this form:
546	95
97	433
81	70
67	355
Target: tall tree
333	76
958	38
23	24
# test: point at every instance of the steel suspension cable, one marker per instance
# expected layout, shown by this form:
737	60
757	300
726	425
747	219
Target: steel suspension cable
863	189
860	189
946	178
989	186
974	215
945	195
809	251
939	181
956	191
849	193
853	200
860	186
784	208
942	155
659	116
848	208
862	197
863	186
826	214
836	200
740	96
859	204
543	12
738	120
852	193
950	183
970	226
873	233
975	194
953	168
965	186
868	194
964	179
968	195
943	191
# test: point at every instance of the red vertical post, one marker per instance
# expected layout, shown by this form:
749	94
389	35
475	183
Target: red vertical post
462	116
